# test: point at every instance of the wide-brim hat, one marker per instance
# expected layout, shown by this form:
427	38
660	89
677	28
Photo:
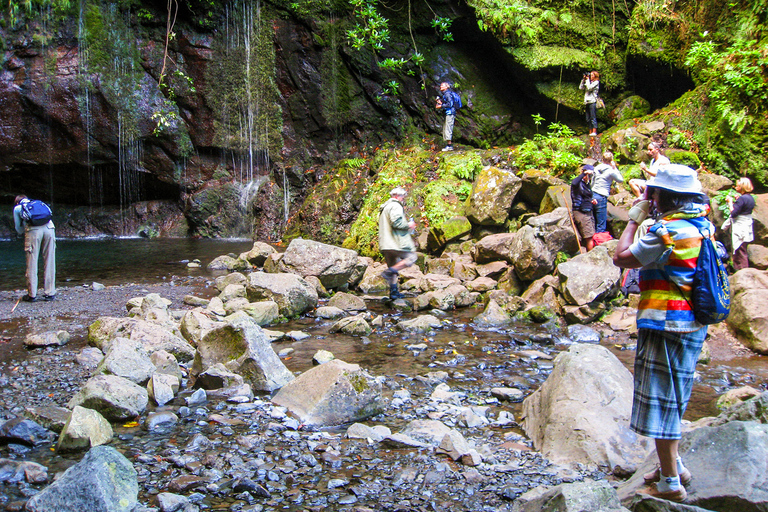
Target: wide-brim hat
676	178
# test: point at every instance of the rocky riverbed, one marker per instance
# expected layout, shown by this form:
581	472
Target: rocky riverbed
248	454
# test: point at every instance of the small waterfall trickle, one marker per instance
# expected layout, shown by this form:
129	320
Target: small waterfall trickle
246	97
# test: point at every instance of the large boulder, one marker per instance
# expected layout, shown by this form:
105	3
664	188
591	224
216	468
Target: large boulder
194	325
85	429
331	394
372	282
569	421
447	232
588	277
114	397
493	248
258	254
576	497
534	187
292	293
104	481
749	316
535	246
728	467
243	348
152	335
332	265
492	195
127	358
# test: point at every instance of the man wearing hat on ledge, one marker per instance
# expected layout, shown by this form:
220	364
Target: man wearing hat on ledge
669	337
583	205
395	241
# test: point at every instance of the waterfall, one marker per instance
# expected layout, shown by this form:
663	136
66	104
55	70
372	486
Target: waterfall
246	95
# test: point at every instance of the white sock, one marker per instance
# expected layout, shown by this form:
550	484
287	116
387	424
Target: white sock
668	483
680	466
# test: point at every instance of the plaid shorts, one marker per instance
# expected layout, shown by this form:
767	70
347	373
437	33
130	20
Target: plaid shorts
664	367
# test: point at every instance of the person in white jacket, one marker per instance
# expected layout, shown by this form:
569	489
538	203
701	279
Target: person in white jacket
591	85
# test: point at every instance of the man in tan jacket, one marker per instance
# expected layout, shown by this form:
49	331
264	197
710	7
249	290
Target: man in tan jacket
395	242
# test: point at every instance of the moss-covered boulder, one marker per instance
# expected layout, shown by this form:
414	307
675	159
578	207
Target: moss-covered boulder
492	195
629	108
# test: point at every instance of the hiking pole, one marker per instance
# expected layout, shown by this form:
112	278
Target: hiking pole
573	224
14	306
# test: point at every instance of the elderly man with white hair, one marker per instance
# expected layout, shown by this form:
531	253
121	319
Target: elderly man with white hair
395	241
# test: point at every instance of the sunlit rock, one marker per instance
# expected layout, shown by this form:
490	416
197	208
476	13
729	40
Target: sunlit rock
85	429
116	398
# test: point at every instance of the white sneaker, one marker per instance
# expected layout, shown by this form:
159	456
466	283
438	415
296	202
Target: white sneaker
448	148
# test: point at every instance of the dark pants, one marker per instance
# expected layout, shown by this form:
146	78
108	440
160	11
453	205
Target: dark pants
592	115
740	259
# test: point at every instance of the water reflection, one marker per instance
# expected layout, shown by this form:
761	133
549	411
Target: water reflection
113	261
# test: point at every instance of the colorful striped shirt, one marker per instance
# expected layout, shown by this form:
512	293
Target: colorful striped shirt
669	263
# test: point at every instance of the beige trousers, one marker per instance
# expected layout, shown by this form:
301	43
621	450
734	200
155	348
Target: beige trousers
37	238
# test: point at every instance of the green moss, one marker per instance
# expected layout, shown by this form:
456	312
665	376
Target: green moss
688	158
465	165
359	382
542	57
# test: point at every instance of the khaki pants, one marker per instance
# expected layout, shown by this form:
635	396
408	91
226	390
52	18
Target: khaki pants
448	127
39	238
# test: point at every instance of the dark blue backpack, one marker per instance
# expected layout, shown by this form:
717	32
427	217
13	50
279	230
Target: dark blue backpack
456	100
35	212
711	298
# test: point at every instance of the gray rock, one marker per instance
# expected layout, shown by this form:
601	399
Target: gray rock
128	359
453	444
152	335
166	364
361	431
14	472
347	302
333	266
191	300
222	282
372	282
232	291
217	376
160	420
331	394
319	288
47	339
51	417
116	398
570	422
749	316
583	334
421	323
353	325
162	388
85	429
492	316
322	357
258	255
97	287
329	312
243	348
194	325
430	432
575	497
197	398
265	312
24	431
728	467
104	480
226	262
293	294
89	357
588	277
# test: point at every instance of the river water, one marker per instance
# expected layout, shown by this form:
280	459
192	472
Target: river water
116	260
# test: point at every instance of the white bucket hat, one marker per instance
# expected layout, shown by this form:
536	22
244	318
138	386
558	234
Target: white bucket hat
677	178
398	191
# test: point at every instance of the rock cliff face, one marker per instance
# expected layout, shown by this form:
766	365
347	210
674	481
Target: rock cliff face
222	130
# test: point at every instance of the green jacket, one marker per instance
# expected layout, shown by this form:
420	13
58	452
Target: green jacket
394	233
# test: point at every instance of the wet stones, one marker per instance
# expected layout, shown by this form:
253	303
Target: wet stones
46	339
103	480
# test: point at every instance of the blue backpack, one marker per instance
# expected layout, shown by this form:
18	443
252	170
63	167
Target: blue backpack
35	212
711	298
456	100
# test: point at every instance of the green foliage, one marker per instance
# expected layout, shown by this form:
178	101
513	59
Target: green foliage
371	28
678	139
443	25
738	75
721	201
465	166
688	158
441	201
557	152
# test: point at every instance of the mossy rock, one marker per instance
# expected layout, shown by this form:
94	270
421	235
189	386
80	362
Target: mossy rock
541	314
630	108
681	157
